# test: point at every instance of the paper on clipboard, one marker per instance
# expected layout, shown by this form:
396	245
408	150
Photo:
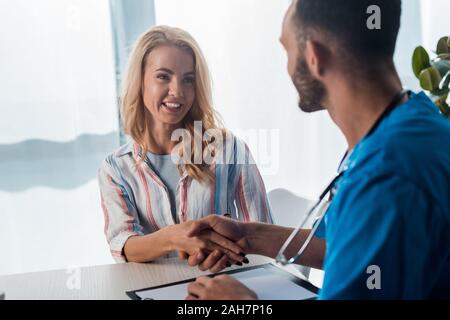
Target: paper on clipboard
268	285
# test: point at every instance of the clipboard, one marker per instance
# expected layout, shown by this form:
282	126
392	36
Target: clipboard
268	281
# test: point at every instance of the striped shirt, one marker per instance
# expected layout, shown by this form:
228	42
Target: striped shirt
136	202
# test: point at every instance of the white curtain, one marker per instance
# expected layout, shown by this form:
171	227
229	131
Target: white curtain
58	120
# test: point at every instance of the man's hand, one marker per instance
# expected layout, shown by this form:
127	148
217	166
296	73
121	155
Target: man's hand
259	238
205	241
215	261
226	227
222	287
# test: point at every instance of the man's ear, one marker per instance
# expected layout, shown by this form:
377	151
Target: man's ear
317	57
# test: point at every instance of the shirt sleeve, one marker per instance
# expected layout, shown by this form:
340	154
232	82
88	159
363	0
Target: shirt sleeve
120	215
250	193
380	239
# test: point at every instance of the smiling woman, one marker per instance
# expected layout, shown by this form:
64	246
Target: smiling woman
167	66
168	86
148	199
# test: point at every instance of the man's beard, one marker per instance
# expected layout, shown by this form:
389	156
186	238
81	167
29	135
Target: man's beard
311	91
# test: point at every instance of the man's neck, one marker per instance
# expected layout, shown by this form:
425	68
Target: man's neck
356	110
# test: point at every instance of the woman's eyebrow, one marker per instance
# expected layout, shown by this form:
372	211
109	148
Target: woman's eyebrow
165	70
171	72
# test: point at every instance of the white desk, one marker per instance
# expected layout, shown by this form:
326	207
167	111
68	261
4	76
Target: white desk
101	282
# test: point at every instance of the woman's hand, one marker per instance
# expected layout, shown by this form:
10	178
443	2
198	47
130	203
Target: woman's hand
214	261
222	287
204	242
226	227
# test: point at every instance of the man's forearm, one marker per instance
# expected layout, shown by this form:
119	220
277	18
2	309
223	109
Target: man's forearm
267	239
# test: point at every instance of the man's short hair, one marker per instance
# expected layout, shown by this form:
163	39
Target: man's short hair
345	23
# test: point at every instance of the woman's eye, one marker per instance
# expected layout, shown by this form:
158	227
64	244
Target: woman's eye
189	80
162	76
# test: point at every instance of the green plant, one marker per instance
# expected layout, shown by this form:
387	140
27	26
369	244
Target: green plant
434	74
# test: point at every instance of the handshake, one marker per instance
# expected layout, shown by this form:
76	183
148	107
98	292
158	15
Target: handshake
214	243
224	242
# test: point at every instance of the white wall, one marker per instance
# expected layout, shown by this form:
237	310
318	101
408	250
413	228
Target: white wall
435	21
57	83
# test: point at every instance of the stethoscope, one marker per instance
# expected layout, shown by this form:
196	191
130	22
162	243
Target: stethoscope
323	202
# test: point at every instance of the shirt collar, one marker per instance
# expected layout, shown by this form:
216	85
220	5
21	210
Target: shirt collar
133	149
128	148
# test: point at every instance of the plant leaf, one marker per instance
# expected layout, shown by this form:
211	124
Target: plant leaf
442	46
420	60
439	92
443	66
430	79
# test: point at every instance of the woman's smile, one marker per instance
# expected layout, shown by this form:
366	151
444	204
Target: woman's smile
172	107
169	85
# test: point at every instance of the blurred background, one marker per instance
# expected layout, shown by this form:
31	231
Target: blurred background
61	65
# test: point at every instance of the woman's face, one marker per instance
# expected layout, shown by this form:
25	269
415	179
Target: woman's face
169	84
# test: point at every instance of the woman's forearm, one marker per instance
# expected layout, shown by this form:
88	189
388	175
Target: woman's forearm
267	239
149	247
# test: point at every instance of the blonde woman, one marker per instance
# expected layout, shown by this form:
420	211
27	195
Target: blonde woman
148	199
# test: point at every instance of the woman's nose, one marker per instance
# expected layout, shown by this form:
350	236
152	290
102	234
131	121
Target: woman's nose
176	89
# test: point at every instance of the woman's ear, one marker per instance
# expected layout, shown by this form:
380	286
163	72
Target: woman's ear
317	58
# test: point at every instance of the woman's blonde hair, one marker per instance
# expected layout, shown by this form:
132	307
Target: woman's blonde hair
135	115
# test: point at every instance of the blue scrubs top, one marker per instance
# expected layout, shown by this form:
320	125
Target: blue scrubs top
391	210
